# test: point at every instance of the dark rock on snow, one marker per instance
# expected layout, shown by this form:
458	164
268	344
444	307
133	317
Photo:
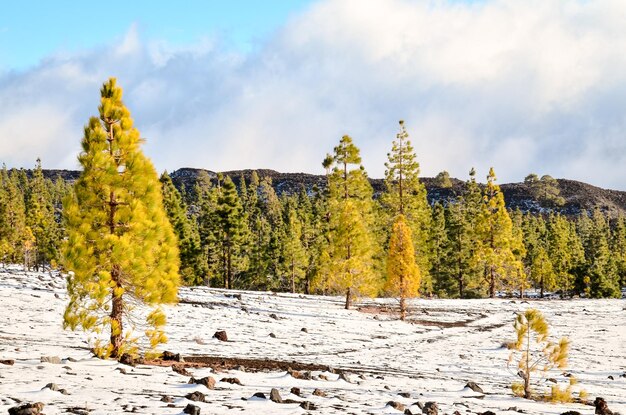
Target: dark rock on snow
275	396
259	395
396	405
232	381
207	381
474	386
176	357
430	408
602	408
191	409
27	409
8	362
319	392
196	396
295	391
221	336
55	360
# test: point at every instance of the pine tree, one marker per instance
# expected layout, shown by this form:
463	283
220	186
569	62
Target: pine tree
403	274
602	272
545	190
565	250
351	245
208	226
406	195
121	249
442	179
541	271
441	271
295	260
193	267
40	219
497	240
232	229
13	229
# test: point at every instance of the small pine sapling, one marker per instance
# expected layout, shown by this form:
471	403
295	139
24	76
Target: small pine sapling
536	353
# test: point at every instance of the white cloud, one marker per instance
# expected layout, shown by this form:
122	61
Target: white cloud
537	85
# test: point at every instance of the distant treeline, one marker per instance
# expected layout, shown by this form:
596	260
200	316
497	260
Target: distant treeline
338	238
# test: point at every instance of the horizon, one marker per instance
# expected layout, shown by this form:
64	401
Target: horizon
521	86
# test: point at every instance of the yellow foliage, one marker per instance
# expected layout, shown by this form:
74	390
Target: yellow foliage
403	275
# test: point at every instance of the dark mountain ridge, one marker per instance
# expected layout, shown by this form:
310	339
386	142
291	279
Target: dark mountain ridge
578	196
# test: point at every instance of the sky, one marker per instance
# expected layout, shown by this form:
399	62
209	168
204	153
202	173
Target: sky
521	85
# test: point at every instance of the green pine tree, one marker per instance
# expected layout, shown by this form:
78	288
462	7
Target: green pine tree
121	249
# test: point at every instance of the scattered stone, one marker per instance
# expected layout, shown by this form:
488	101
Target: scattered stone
295	391
180	369
344	377
430	408
571	413
551	380
515	409
602	408
272	335
304	330
27	409
396	405
474	386
274	316
241	368
305	375
221	336
323	377
275	396
127	359
121	370
167	399
8	362
308	406
78	411
55	360
487	413
172	356
207	381
196	397
232	381
259	395
611	377
71	359
319	392
405	394
191	409
407	411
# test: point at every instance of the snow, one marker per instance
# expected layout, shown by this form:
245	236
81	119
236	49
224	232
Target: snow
447	344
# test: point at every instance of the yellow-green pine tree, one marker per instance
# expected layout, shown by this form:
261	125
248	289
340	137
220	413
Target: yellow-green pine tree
351	242
497	241
121	250
406	195
403	274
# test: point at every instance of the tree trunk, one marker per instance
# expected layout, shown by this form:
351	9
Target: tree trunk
402	308
117	312
541	284
293	277
348	298
229	270
492	283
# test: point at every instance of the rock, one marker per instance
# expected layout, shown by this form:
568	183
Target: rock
180	369
27	409
430	408
55	360
601	407
191	409
552	380
127	359
196	396
295	391
172	356
275	396
474	386
77	411
305	375
8	362
319	392
121	370
611	377
304	330
272	335
274	316
405	394
232	381
241	368
323	377
487	413
221	336
167	399
71	359
308	406
259	395
396	405
52	386
207	381
571	413
344	377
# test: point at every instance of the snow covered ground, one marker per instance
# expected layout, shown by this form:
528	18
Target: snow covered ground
431	358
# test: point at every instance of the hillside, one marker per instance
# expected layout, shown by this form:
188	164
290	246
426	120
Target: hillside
579	196
359	360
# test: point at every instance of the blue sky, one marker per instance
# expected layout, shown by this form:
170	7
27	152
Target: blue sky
33	30
521	85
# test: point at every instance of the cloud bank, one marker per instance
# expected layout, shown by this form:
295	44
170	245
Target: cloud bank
524	86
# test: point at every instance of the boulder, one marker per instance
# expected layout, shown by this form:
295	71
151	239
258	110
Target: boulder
308	406
8	362
172	356
180	369
430	408
275	396
295	391
55	360
405	394
571	413
601	407
474	386
196	396
27	409
487	413
127	359
304	330
259	395
319	392
221	336
396	405
191	409
232	381
207	381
